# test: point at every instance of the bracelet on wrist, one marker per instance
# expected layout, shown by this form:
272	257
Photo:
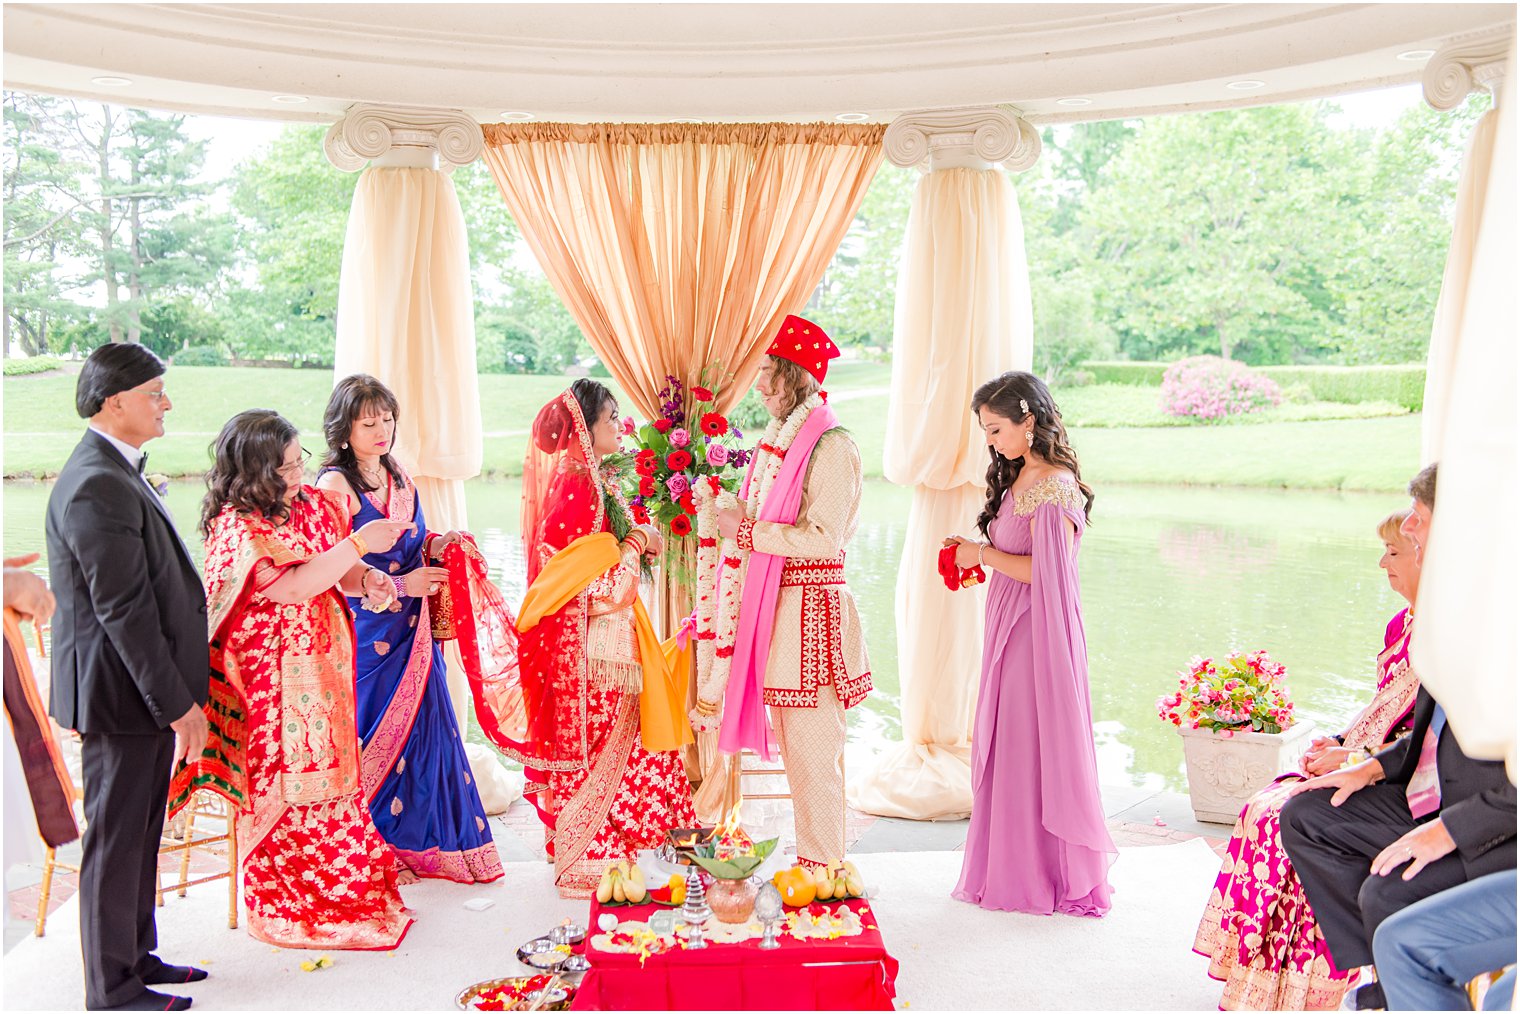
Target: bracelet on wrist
981	554
359	544
399	584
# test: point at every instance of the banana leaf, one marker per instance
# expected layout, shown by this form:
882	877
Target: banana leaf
737	868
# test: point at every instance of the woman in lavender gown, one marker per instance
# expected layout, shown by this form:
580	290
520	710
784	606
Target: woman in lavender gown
1038	841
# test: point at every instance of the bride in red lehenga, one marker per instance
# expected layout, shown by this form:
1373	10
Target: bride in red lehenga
577	688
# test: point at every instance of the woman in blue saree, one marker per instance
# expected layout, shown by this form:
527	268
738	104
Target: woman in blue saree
413	768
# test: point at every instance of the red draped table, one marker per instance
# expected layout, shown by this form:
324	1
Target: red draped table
849	973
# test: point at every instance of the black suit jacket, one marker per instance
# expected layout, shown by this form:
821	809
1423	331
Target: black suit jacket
129	635
1477	797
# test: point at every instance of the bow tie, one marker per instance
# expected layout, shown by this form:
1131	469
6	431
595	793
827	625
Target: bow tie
142	462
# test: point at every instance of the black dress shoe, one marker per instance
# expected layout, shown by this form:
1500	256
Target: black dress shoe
165	975
149	1000
1370	997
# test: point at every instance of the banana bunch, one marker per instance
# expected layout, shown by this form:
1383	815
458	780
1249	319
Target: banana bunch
622	882
839	881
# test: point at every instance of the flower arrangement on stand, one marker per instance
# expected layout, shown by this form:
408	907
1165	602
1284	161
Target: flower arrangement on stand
1238	729
1246	693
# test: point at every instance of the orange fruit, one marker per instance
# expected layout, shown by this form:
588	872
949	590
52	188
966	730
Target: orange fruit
796	887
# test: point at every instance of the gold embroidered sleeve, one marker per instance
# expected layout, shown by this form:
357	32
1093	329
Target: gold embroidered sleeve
830	504
1060	490
617	588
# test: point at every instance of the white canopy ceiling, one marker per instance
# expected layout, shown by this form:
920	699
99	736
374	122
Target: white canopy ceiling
800	62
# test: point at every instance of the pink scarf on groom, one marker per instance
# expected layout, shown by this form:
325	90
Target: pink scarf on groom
744	722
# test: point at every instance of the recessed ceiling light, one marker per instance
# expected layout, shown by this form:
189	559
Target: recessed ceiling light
1073	102
685	119
288	100
1417	54
111	82
516	114
1245	86
852	117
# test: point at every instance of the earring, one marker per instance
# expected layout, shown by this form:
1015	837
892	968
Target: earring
1029	435
345	446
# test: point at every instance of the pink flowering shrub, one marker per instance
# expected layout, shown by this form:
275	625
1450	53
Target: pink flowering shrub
1244	693
1210	388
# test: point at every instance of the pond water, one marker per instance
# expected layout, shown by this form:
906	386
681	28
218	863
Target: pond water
1167	573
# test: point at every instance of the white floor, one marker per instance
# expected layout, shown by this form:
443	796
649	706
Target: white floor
953	956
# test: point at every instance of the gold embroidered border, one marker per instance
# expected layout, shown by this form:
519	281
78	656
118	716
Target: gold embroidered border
1059	489
578	819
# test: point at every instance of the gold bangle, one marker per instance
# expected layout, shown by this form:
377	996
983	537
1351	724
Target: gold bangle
638	541
359	544
704	708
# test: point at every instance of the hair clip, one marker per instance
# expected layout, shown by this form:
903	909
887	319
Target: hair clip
1023	406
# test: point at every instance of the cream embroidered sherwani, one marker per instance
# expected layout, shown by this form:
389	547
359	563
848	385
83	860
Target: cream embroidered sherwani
817	666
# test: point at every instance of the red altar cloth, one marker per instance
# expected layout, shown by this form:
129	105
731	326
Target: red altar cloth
850	973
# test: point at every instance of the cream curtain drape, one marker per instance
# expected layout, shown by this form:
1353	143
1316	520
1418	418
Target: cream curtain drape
679	247
1464	640
963	316
1451	307
406	314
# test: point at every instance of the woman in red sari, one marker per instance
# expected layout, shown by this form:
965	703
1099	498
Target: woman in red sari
601	718
1258	931
282	746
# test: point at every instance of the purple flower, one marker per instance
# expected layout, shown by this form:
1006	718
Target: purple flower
736	432
680	437
677	484
717	454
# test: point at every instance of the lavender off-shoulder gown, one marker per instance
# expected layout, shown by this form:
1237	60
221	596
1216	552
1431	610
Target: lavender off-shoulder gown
1038	841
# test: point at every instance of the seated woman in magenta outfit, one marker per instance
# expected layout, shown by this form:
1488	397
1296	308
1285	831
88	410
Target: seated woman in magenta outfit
1258	930
1038	840
416	776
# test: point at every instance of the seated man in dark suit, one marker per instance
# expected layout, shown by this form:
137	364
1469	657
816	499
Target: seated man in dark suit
130	669
1421	809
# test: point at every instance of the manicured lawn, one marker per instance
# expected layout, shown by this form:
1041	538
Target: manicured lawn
1118	430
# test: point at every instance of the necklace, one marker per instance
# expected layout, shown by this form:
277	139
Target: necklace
372	476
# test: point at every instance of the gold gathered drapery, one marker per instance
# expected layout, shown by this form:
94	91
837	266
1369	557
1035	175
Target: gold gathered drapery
679	247
963	316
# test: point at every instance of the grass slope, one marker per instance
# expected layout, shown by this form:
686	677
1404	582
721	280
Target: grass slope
1119	431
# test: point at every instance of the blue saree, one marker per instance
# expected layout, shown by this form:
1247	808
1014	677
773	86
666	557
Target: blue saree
414	772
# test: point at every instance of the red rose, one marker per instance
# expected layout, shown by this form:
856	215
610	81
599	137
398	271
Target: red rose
714	425
646	486
680	525
640	515
701	394
678	461
663	425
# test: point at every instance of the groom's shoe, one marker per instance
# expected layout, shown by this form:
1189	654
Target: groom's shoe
149	1000
166	975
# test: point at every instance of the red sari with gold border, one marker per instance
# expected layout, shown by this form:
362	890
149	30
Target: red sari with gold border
316	873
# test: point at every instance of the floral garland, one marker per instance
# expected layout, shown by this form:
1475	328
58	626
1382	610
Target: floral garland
721	568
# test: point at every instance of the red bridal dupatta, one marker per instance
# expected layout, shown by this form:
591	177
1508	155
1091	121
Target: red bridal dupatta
528	676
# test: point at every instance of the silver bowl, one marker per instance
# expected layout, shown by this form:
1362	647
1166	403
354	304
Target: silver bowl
542	955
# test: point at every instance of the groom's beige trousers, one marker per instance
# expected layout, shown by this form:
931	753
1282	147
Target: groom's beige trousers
812	748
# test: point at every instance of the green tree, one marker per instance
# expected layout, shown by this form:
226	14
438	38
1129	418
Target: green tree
41	222
857	296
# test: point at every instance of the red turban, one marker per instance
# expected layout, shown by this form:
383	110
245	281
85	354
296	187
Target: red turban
805	344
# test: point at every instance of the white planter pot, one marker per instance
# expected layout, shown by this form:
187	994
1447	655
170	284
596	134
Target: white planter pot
1224	770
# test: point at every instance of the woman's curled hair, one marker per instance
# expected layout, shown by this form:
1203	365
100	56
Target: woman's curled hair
1007	395
245	468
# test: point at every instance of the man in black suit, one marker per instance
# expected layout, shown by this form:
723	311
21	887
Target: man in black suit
1420	802
129	668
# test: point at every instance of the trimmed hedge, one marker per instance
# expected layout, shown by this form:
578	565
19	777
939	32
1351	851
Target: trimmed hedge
1136	374
34	364
201	355
1402	384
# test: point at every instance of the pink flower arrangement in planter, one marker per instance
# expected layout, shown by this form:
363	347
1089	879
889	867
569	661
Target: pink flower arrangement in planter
1209	389
1247	692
